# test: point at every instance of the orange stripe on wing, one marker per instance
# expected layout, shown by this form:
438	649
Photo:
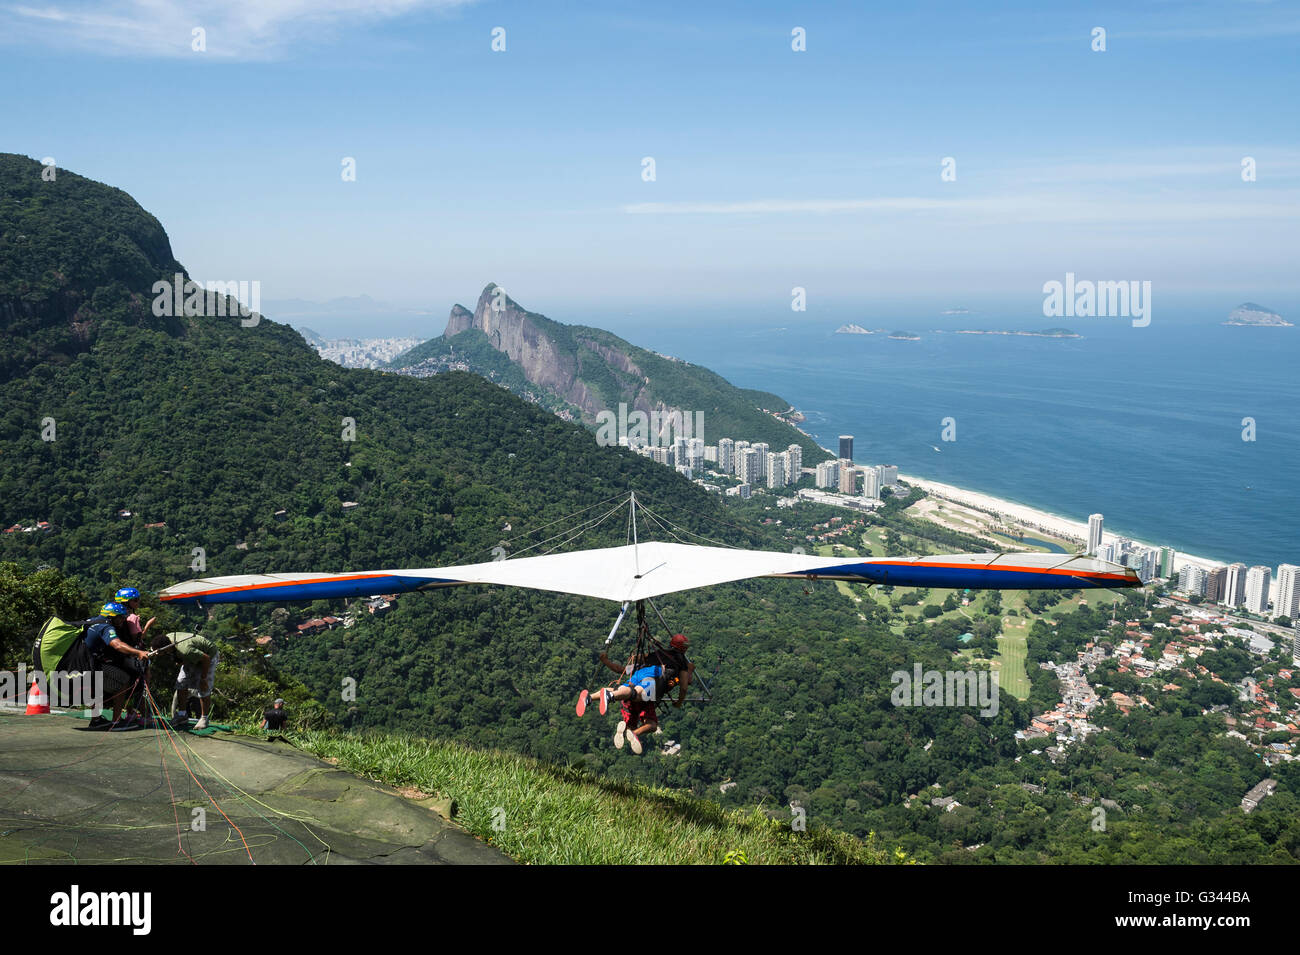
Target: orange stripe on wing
278	583
1101	574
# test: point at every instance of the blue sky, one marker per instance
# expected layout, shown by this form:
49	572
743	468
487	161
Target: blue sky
774	168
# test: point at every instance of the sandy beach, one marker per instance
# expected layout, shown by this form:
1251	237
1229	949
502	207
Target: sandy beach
1033	518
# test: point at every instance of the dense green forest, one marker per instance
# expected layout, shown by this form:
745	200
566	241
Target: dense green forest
245	446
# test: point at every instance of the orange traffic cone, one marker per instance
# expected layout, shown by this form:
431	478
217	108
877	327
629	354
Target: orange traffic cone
37	702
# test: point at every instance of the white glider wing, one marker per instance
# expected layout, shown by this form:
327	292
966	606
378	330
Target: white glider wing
647	570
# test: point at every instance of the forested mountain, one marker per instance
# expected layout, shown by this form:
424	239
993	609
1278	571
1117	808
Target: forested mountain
115	421
581	372
142	439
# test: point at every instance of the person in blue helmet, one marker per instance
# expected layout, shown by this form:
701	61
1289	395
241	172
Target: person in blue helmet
136	635
129	597
113	658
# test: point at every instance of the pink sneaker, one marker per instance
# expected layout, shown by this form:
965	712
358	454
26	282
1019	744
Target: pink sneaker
604	699
582	702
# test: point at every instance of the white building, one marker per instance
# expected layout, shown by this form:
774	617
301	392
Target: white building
775	469
1286	602
1191	580
726	455
828	474
793	463
888	475
1257	580
1094	532
695	454
740	448
848	480
747	469
1146	561
871	485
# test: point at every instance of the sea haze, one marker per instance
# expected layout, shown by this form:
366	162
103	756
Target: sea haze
1141	424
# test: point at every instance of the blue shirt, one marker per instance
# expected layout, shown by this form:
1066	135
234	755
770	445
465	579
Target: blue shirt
99	636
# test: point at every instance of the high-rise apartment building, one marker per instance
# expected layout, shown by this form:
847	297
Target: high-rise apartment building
1095	522
1257	581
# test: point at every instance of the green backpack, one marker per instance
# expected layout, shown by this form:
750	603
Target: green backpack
55	640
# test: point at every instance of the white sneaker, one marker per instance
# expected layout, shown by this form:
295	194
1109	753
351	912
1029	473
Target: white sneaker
202	724
619	733
634	742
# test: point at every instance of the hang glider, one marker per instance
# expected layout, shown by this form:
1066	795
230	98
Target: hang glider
643	571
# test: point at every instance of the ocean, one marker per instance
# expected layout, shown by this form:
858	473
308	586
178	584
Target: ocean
1144	425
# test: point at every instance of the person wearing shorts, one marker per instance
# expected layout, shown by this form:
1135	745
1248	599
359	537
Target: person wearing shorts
639	716
198	675
648	678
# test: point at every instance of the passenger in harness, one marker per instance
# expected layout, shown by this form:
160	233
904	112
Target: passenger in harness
134	634
635	713
649	678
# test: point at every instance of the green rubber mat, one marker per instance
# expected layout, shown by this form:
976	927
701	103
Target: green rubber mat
212	727
69	796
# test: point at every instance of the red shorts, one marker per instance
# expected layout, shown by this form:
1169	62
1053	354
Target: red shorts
635	712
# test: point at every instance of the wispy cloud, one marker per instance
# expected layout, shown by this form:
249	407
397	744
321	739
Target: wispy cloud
233	29
779	206
1057	208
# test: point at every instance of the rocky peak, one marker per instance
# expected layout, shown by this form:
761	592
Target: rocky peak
458	321
518	333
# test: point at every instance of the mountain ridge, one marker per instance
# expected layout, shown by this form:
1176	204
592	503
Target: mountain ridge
582	372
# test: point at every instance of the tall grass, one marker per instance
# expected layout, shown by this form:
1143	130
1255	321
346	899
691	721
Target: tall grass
542	813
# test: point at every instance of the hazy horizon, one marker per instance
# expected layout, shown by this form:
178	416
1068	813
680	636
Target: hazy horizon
392	319
954	151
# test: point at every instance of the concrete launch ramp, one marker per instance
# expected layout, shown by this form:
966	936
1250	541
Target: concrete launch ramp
72	795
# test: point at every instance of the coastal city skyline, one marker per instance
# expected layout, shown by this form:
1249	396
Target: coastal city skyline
861	487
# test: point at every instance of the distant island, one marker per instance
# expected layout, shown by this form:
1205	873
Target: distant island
955	311
905	336
1045	333
1248	313
851	329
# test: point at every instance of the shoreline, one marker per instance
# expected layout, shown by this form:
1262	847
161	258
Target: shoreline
1033	517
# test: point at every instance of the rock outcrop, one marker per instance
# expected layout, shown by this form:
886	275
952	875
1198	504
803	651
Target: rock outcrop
552	356
1248	313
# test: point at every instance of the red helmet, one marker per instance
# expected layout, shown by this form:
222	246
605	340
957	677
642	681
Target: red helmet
679	641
